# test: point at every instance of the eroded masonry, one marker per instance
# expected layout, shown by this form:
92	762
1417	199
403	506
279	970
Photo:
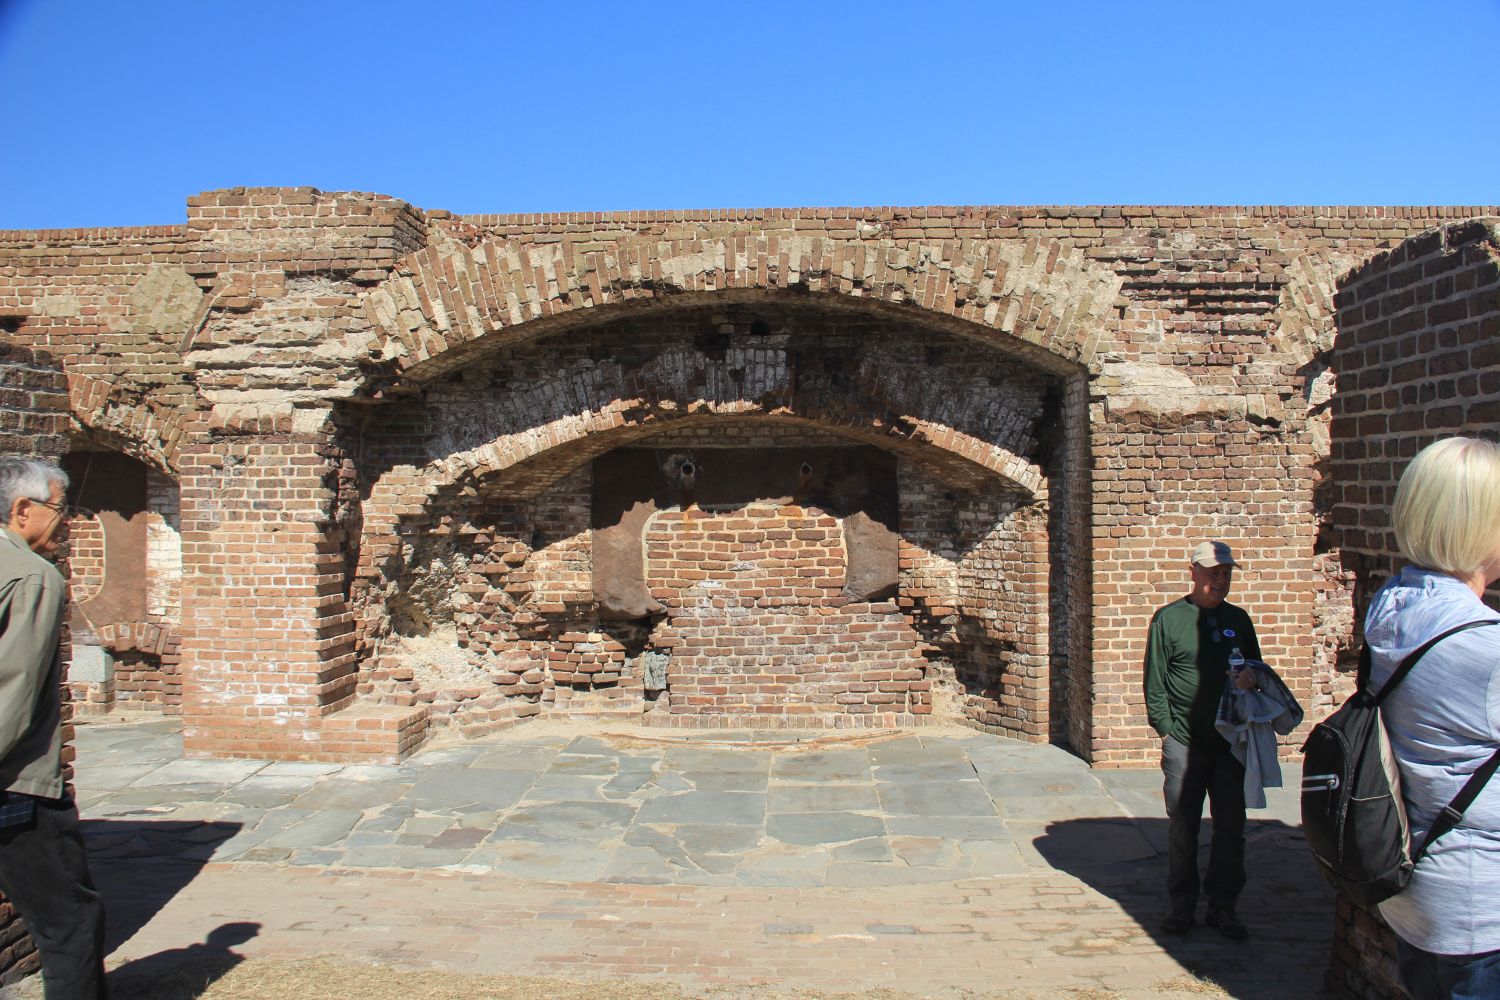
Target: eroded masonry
362	471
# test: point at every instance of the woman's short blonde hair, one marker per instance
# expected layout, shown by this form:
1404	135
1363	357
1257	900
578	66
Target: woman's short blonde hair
1447	508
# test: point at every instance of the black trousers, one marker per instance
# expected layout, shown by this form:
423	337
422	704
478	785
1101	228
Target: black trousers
1190	774
45	875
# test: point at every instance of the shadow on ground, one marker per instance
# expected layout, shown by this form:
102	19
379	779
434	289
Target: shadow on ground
1125	860
182	973
139	865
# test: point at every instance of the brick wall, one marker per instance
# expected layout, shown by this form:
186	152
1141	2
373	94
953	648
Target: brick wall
33	422
163	550
1417	359
86	557
1070	560
267	644
1157	491
33	404
467	364
759	630
974	585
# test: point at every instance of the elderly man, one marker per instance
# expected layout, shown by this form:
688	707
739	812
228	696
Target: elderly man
43	870
1189	650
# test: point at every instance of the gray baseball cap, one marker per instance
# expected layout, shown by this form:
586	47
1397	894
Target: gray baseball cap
1212	554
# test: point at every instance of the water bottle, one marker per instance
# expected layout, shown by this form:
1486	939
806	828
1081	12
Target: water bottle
1236	660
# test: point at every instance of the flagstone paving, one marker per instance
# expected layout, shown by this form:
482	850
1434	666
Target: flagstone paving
933	861
760	809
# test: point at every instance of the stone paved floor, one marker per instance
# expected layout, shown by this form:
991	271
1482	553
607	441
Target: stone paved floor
934	862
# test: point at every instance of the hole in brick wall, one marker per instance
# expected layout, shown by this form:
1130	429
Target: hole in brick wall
409	617
712	343
10	324
421	597
1050	428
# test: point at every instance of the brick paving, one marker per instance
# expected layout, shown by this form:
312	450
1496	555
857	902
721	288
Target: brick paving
1063	894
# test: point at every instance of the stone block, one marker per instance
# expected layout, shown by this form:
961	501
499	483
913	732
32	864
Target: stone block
91	664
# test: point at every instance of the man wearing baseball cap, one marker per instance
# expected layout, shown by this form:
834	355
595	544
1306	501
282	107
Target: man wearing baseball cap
1188	653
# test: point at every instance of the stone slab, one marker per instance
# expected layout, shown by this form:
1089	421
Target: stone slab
935	798
849	797
702	808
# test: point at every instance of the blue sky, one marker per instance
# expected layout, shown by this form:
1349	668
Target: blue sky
115	111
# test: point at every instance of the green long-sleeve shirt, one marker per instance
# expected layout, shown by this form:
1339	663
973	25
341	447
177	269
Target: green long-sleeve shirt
1187	656
32	594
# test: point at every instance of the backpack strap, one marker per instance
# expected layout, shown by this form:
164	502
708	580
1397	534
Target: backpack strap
1399	674
1453	812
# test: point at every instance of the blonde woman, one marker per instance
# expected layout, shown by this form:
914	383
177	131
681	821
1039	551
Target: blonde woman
1444	720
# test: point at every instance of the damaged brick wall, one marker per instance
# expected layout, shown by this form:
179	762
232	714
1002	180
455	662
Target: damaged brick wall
1192	342
1417	358
825	377
974	584
759	630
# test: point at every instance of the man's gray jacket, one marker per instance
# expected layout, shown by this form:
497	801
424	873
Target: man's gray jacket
32	597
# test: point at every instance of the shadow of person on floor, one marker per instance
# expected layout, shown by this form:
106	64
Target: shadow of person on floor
139	865
182	973
1286	905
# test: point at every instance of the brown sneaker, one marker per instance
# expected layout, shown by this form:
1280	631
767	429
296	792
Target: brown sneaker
1224	920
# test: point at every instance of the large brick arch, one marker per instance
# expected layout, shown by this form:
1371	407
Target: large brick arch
450	301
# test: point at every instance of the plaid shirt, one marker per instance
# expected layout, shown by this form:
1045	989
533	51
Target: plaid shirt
16	809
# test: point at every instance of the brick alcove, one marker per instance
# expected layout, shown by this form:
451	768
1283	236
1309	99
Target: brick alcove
126	559
747	514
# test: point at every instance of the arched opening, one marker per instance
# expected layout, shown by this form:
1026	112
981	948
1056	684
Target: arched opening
125	562
738	513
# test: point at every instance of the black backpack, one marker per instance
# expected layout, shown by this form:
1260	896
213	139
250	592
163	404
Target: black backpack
1352	811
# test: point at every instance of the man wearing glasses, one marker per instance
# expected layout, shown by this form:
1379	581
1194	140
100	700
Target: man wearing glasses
43	870
1188	655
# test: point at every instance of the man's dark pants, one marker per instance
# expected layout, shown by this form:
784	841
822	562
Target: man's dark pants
1190	774
45	875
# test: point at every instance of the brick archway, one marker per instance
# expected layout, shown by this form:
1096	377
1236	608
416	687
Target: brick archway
451	301
533	433
145	431
126	556
463	534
